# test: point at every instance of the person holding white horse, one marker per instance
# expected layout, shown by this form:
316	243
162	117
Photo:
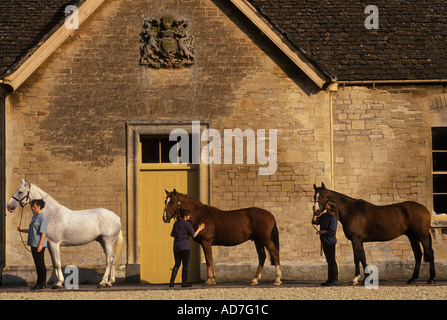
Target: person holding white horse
74	228
37	231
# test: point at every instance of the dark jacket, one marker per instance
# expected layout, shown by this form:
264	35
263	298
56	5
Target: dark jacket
327	222
181	231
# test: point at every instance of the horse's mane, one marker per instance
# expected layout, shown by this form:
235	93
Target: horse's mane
343	195
47	197
195	201
199	203
188	197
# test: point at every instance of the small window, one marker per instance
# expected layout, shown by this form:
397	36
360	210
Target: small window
156	149
439	153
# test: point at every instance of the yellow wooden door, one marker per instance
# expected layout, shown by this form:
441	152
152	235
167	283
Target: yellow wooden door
156	244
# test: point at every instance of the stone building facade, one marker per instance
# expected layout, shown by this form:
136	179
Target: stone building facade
70	128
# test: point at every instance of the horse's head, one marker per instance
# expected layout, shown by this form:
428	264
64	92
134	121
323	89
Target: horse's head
20	197
172	205
321	198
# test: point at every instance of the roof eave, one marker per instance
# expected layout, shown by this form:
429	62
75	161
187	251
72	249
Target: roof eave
319	78
47	48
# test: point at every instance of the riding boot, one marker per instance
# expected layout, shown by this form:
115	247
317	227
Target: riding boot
329	274
185	278
173	275
335	275
332	277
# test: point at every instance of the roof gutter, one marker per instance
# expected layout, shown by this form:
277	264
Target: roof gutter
5	89
19	76
332	88
373	82
4	92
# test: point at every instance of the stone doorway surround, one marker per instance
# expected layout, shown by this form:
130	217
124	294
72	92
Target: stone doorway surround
134	130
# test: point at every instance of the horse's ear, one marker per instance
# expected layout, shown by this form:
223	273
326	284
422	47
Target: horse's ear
167	192
175	192
323	186
315	187
23	180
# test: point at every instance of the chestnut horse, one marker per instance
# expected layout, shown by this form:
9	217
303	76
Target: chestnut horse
228	228
364	222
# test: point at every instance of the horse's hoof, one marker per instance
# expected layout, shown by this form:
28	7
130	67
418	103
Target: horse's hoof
354	283
56	287
431	281
210	282
277	283
254	283
411	281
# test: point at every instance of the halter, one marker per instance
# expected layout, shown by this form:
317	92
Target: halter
176	211
26	197
324	205
318	215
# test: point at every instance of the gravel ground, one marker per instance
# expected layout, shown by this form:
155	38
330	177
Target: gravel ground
234	292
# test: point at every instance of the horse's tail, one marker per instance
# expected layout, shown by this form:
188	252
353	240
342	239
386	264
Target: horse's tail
275	238
118	248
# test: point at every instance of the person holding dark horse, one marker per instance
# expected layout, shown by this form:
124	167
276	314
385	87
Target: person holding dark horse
181	231
328	229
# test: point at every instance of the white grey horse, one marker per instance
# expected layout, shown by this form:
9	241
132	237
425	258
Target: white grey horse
73	228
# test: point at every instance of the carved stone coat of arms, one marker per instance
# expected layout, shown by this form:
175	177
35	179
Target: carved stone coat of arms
165	42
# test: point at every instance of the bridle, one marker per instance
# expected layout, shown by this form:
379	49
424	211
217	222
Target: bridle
176	211
318	214
320	211
26	197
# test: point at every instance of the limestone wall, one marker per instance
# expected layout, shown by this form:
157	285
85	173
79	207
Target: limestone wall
66	130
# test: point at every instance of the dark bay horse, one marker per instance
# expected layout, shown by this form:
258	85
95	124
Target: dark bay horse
228	228
364	222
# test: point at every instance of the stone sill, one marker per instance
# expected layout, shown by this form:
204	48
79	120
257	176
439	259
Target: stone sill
439	221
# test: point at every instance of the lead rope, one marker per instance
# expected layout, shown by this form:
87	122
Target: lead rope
20	233
318	232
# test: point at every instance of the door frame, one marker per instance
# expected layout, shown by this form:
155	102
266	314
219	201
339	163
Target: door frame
134	130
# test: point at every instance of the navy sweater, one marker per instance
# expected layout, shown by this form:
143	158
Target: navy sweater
328	222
